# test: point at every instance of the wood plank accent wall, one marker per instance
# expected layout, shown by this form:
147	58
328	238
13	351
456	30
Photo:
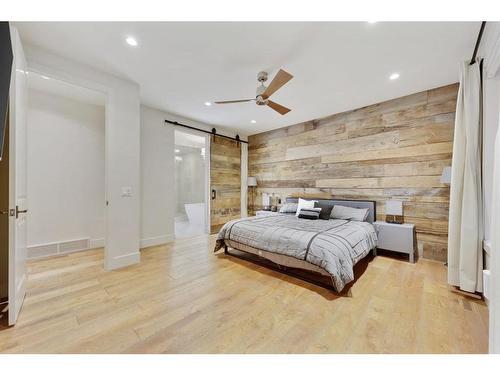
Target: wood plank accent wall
225	179
395	149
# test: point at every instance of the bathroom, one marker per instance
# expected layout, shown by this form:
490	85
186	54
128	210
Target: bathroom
191	182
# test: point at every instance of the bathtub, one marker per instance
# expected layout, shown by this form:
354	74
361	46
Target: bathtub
196	213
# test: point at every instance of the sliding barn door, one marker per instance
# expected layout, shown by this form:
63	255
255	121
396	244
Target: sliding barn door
225	181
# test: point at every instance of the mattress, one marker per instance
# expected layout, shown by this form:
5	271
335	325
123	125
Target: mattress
280	259
332	247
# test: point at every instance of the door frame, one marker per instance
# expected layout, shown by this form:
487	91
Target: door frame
208	185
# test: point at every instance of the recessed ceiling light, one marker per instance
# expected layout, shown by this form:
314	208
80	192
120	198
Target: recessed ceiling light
176	150
131	41
45	77
394	76
208	104
253	121
372	21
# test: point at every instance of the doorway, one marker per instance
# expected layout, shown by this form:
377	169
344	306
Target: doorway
65	167
191	184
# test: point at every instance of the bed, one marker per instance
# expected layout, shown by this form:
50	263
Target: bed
323	252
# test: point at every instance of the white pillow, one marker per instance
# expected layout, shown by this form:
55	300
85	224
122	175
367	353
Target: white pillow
304	204
289	208
349	213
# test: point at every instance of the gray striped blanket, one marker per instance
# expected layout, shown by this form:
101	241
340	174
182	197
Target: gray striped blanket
333	245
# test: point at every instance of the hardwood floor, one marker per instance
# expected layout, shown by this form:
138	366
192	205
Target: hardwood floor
182	298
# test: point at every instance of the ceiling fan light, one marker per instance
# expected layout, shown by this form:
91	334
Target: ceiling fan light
263	92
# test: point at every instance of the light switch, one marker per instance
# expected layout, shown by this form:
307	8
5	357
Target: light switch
126	191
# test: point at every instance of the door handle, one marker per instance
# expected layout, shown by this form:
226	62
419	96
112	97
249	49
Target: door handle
18	211
214	194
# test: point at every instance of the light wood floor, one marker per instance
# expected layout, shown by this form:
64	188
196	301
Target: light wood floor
184	299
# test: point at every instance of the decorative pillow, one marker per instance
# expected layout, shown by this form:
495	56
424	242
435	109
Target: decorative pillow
304	204
349	213
289	208
326	210
309	213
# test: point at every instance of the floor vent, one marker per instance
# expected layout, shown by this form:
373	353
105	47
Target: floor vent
45	250
39	251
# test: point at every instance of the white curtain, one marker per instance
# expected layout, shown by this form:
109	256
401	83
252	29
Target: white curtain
465	231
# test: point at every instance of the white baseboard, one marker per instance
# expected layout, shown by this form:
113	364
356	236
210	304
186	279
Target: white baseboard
96	243
54	248
123	261
155	241
486	286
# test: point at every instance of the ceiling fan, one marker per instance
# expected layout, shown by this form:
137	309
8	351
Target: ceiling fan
263	93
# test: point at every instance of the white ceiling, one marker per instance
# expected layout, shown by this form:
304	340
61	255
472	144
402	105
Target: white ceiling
53	86
337	66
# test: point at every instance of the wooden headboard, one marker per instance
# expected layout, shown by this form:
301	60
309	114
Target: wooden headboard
371	205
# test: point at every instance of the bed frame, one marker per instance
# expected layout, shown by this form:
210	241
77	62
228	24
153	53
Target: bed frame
305	275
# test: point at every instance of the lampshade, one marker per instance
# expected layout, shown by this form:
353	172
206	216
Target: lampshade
446	176
394	207
252	181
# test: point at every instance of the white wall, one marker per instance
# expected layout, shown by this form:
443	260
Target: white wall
65	170
127	125
123	147
490	50
157	174
146	218
122	150
157	178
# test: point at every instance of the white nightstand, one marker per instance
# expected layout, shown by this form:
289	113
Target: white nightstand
396	237
266	213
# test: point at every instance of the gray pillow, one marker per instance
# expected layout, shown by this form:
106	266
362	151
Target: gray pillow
289	208
326	210
309	213
349	213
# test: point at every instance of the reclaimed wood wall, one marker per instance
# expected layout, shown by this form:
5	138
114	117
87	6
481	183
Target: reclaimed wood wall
225	179
395	149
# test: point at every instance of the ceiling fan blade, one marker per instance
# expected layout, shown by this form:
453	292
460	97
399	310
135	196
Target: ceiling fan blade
234	101
278	107
278	81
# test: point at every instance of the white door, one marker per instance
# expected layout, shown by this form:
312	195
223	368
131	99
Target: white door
17	178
